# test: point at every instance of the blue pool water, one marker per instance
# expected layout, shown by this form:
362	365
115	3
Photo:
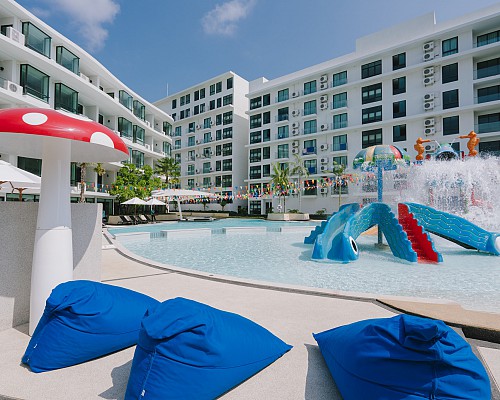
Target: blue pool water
274	252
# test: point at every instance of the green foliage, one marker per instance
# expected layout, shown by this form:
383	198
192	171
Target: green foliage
169	168
293	211
133	182
321	212
223	203
280	179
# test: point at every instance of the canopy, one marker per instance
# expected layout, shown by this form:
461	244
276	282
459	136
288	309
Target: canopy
182	193
135	201
155	202
387	156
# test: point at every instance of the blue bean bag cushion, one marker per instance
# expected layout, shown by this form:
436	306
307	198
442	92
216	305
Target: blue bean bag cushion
83	320
403	357
188	350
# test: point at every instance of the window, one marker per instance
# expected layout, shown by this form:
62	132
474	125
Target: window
255	121
283	114
450	73
255	155
191	155
227	149
138	158
488	68
218	134
309	147
488	123
190	170
310	107
33	165
371	138
126	100
256	102
35	82
339	143
399	133
491	93
227	165
191	141
310	188
227	100
488	38
229	83
125	128
188	98
212	89
372	114
65	98
266	170
371	69
167	149
227	133
266	135
339	100
174	104
178	131
282	151
202	93
266	100
139	134
202	108
399	85
218	87
492	148
283	95
399	109
398	61
139	110
207	123
266	118
283	132
227	118
266	153
340	121
67	59
309	87
310	127
450	46
255	137
451	125
36	39
255	172
339	79
340	160
167	128
311	166
218	119
196	95
182	100
450	99
372	93
207	137
206	182
218	150
219	102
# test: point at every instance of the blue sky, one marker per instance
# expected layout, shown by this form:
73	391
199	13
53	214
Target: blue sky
152	44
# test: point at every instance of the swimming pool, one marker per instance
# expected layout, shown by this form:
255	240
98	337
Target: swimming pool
274	252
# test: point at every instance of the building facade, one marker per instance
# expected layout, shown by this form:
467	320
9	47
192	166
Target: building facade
418	79
209	136
41	68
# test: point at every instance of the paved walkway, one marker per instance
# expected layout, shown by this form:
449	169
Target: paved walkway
291	315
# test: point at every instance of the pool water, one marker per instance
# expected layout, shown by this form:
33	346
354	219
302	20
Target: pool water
276	253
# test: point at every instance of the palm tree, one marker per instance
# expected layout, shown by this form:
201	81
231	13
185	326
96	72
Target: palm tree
338	172
99	169
170	168
280	178
299	169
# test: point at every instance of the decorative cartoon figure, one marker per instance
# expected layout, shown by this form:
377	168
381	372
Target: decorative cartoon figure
420	148
472	143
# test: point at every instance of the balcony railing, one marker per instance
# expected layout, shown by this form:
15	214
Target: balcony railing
309	150
282	117
339	104
488	127
488	98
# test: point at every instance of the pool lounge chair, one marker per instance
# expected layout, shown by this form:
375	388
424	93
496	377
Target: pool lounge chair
126	220
142	219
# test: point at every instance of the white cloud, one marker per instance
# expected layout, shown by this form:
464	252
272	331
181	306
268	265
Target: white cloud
88	17
222	20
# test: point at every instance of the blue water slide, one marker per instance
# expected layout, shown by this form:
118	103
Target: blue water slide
340	244
455	229
349	208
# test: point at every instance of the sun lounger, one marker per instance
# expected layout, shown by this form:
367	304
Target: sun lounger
142	219
126	220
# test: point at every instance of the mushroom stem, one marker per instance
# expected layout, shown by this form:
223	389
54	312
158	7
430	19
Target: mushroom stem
53	249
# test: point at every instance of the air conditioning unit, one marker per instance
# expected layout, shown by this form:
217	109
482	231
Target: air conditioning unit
430	147
295	151
323	86
211	153
148	123
429	97
429	106
212	123
295	94
198	127
429	71
197	171
428	81
324	98
147	146
429	122
198	141
324	160
323	127
197	155
295	143
211	169
295	125
323	190
85	77
15	35
323	106
13	87
429	131
323	78
429	46
295	132
324	147
429	56
323	168
295	113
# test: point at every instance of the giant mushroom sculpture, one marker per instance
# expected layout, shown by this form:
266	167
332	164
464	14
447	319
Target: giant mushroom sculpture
58	139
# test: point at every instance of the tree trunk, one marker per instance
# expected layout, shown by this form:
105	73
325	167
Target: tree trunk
83	174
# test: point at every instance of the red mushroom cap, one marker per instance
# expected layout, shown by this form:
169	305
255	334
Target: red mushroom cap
92	142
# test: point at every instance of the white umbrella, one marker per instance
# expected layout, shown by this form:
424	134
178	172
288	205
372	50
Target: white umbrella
135	201
155	202
17	179
178	193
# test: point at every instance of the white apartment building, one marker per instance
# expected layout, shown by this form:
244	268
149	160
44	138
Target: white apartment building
209	137
41	68
418	79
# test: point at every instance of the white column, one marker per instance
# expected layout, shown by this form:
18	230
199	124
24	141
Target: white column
53	251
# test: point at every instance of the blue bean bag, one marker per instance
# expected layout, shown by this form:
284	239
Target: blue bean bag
83	320
188	350
403	357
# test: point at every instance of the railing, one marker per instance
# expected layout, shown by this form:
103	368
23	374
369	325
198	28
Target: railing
488	71
339	104
488	127
282	117
487	98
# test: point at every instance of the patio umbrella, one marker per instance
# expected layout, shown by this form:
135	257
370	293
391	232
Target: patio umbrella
155	202
183	193
381	158
134	201
17	179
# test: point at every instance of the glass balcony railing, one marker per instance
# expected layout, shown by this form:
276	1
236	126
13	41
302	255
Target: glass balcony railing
488	127
487	98
488	71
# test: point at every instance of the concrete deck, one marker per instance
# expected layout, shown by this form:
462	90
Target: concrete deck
292	314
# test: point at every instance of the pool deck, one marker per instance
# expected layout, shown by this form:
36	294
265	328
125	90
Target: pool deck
291	313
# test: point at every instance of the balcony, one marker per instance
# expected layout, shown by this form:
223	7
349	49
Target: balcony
309	150
488	127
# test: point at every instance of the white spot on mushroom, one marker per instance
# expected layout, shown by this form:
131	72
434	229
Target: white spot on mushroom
35	118
102	139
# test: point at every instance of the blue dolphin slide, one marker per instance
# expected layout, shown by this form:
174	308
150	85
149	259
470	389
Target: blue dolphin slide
336	238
